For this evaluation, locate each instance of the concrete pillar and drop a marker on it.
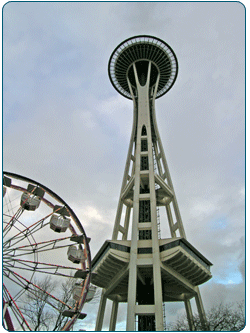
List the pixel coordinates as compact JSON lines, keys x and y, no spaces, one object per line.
{"x":200,"y":309}
{"x":113,"y":317}
{"x":189,"y":314}
{"x":101,"y":311}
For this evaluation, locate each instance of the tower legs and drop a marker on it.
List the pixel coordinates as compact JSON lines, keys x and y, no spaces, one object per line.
{"x":154,"y":318}
{"x":113,"y":317}
{"x":201,"y":310}
{"x":101,"y":311}
{"x":189,"y":314}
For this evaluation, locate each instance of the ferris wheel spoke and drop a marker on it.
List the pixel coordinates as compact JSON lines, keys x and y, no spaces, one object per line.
{"x":18,"y":238}
{"x":21,"y":235}
{"x":36,"y":247}
{"x":7,"y":216}
{"x":7,"y":204}
{"x":15,"y":309}
{"x":42,"y":267}
{"x":12,"y":221}
{"x":11,"y":277}
{"x":36,"y":290}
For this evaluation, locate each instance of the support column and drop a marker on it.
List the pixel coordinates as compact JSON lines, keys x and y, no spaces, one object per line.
{"x":101,"y":311}
{"x":126,"y":223}
{"x":158,"y":301}
{"x":124,"y":182}
{"x":200,"y":309}
{"x":170,"y":221}
{"x":189,"y":312}
{"x":113,"y":317}
{"x":156,"y":256}
{"x":167,"y":174}
{"x":132,"y":282}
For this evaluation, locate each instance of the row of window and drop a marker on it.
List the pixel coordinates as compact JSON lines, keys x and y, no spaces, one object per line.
{"x":144,"y":147}
{"x":147,"y":234}
{"x":144,"y":205}
{"x":144,"y":163}
{"x":144,"y":211}
{"x":127,"y":249}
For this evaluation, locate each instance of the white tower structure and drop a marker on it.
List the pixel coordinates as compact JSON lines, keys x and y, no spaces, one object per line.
{"x":142,"y":269}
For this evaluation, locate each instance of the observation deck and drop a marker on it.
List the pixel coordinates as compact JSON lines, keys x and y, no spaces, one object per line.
{"x":140,"y":50}
{"x":182,"y":267}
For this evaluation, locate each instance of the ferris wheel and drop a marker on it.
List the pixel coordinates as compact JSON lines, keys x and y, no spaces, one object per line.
{"x":44,"y":247}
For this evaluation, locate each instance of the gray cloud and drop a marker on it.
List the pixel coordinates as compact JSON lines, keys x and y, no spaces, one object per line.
{"x":66,"y":127}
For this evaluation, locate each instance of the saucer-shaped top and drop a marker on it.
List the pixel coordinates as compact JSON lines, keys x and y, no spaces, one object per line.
{"x":140,"y":49}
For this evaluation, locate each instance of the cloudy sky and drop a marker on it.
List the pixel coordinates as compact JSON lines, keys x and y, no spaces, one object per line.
{"x":66,"y":127}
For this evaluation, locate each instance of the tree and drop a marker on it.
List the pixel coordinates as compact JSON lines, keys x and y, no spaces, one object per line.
{"x":34,"y":306}
{"x":222,"y":317}
{"x":66,"y":296}
{"x":44,"y":313}
{"x":41,"y":311}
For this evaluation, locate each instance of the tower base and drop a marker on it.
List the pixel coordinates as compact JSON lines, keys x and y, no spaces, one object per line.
{"x":183,"y":268}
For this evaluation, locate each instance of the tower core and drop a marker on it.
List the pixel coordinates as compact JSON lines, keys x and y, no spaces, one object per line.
{"x":139,"y":267}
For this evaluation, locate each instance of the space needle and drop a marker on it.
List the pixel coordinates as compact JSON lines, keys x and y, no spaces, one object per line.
{"x":137,"y":266}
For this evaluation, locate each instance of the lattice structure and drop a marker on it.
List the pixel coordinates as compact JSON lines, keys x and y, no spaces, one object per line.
{"x":142,"y":269}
